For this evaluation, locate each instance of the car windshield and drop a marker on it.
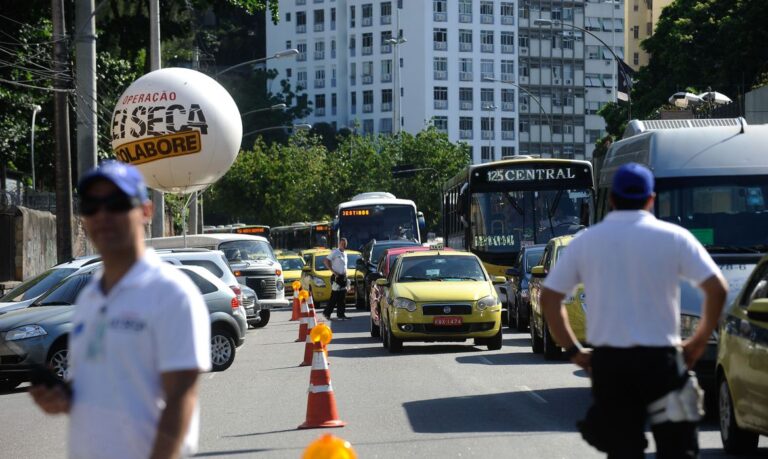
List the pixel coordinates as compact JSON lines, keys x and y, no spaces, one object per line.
{"x":291,"y":264}
{"x":378,"y":250}
{"x":246,"y":250}
{"x":533,"y":258}
{"x":38,"y":285}
{"x":66,"y":292}
{"x":351,"y":260}
{"x":441,"y":268}
{"x":725,"y":214}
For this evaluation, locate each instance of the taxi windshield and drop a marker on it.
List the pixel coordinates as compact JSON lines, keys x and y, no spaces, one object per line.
{"x":236,"y":251}
{"x":351,"y":260}
{"x":440,"y":268}
{"x":291,"y":264}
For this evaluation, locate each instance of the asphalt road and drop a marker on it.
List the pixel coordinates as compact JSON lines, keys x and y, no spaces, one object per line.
{"x":433,"y":400}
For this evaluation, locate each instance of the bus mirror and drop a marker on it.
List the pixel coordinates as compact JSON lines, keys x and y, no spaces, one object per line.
{"x":335,"y":224}
{"x":538,"y":271}
{"x":422,"y":222}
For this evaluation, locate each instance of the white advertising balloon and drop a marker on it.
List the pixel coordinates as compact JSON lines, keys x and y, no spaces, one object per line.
{"x":180,"y":127}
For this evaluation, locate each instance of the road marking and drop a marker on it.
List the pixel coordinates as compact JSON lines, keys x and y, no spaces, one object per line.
{"x":485,"y":360}
{"x":531,"y":393}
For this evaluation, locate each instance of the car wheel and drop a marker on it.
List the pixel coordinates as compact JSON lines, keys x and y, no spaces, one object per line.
{"x":494,"y":343}
{"x":7,"y":385}
{"x":735,"y":439}
{"x":384,"y":334}
{"x":375,"y":329}
{"x":264,"y":314}
{"x":536,"y":343}
{"x":359,"y":302}
{"x":58,"y":361}
{"x":395,"y":343}
{"x":551,"y":350}
{"x":222,"y":349}
{"x":510,"y":315}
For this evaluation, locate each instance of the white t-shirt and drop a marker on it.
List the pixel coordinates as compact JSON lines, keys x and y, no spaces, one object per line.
{"x":631,"y":265}
{"x":153,"y":321}
{"x":338,"y":261}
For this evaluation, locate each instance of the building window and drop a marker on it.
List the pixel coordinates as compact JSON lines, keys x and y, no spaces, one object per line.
{"x":507,"y":152}
{"x":557,"y":14}
{"x":319,"y":105}
{"x":465,"y":99}
{"x":333,"y":49}
{"x":441,"y":97}
{"x":507,"y":70}
{"x":593,"y":52}
{"x":301,"y":22}
{"x":440,"y":123}
{"x":486,"y":98}
{"x":367,"y":76}
{"x":367,"y":126}
{"x":507,"y":100}
{"x":486,"y":12}
{"x":507,"y":13}
{"x":648,"y":29}
{"x":353,"y":102}
{"x":352,"y":16}
{"x":524,"y":126}
{"x":333,"y":18}
{"x":385,"y":125}
{"x":486,"y":153}
{"x":507,"y":40}
{"x":386,"y":100}
{"x":367,"y":45}
{"x":592,"y":24}
{"x":486,"y":127}
{"x":486,"y":69}
{"x":333,"y":104}
{"x":523,"y":41}
{"x":636,"y":32}
{"x":386,"y":70}
{"x":465,"y":40}
{"x":320,"y":78}
{"x":440,"y":38}
{"x":386,"y":13}
{"x":352,"y":45}
{"x":287,"y":17}
{"x":440,"y":65}
{"x":367,"y":14}
{"x":465,"y":127}
{"x":302,"y":48}
{"x":319,"y":20}
{"x":301,"y":79}
{"x":319,"y":50}
{"x":486,"y":41}
{"x":592,"y":80}
{"x":367,"y":101}
{"x":465,"y":69}
{"x":567,"y":14}
{"x":385,"y":37}
{"x":440,"y":10}
{"x":636,"y":58}
{"x":288,"y":72}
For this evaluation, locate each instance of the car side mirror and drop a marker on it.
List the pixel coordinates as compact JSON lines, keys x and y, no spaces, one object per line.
{"x":513,"y":272}
{"x":382,"y":282}
{"x":306,"y":269}
{"x":538,"y":271}
{"x":499,"y":279}
{"x":758,"y":310}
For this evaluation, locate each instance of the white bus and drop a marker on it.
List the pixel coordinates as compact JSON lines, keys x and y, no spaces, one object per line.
{"x":377,"y":215}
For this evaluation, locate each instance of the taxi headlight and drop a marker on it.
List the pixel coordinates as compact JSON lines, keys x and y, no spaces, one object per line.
{"x":405,"y":303}
{"x":24,"y":332}
{"x":487,"y":302}
{"x":688,"y":325}
{"x":318,"y":282}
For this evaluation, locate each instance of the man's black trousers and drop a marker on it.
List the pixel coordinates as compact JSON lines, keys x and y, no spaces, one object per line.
{"x":337,"y":300}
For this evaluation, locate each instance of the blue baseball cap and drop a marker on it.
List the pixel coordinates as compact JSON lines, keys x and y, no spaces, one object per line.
{"x":633,"y":181}
{"x":124,"y":176}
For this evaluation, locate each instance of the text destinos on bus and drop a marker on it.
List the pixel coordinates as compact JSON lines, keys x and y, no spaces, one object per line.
{"x":519,"y":175}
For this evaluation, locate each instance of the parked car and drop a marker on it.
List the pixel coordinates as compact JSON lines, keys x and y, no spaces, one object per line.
{"x":366,"y":267}
{"x":38,"y":334}
{"x":317,"y":279}
{"x":541,"y":338}
{"x":292,"y":265}
{"x":31,"y":289}
{"x":440,"y":296}
{"x":518,"y":294}
{"x":742,"y":366}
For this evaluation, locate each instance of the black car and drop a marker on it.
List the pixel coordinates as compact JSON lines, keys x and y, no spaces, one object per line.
{"x":367,"y":263}
{"x":518,"y":299}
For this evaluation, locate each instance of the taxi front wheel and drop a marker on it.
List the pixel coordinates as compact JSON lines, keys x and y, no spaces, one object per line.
{"x":395,"y":344}
{"x":735,"y":439}
{"x":494,"y":343}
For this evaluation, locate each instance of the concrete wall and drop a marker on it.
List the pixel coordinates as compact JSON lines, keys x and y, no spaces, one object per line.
{"x":35,"y":239}
{"x":756,"y":106}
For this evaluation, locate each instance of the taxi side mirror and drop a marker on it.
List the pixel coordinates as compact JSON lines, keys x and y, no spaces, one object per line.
{"x":758,"y":310}
{"x":306,"y":269}
{"x":498,"y":279}
{"x":382,"y":282}
{"x":538,"y":271}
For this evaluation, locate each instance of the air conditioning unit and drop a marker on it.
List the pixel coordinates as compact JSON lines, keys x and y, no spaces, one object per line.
{"x":556,"y":81}
{"x":568,"y":81}
{"x":524,"y":51}
{"x":524,"y":107}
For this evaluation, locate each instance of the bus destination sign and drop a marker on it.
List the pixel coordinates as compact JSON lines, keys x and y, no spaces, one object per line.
{"x":356,"y":212}
{"x":250,"y":230}
{"x":322,"y":228}
{"x":530,"y":174}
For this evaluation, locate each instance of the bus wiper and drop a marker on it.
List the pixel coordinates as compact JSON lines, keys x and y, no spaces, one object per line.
{"x":514,"y":204}
{"x":55,"y":303}
{"x":555,"y":202}
{"x":463,"y":278}
{"x":735,"y":248}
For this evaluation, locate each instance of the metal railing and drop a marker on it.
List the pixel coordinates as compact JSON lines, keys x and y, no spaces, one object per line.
{"x":440,"y":17}
{"x":465,"y":18}
{"x":441,"y":45}
{"x":486,"y":19}
{"x":386,"y":77}
{"x":465,"y":46}
{"x":441,"y":104}
{"x":441,"y":75}
{"x":508,"y":49}
{"x":465,"y":134}
{"x":466,"y":105}
{"x":465,"y":76}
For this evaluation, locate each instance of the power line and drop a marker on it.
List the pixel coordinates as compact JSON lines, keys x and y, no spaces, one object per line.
{"x":16,"y":83}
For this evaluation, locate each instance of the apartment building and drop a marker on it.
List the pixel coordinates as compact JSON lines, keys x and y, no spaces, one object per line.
{"x":641,"y":17}
{"x":380,"y":66}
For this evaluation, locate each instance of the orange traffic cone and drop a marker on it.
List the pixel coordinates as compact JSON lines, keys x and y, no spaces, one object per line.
{"x":311,"y":305}
{"x":296,"y":314}
{"x":321,"y":403}
{"x":303,"y":317}
{"x":308,"y":348}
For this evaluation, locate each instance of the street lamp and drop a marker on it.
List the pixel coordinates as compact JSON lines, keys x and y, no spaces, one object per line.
{"x":538,"y":102}
{"x":396,"y":42}
{"x":35,"y":110}
{"x":277,"y":55}
{"x":619,"y":62}
{"x":295,"y":127}
{"x":266,"y":109}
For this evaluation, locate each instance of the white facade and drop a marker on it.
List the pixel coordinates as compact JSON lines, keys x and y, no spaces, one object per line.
{"x":350,"y":72}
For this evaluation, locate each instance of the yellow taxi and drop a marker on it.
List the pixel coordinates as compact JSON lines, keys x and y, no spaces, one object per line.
{"x":292,"y":265}
{"x":306,"y":254}
{"x":541,"y":338}
{"x":439,"y":296}
{"x":316,"y":278}
{"x":742,"y":366}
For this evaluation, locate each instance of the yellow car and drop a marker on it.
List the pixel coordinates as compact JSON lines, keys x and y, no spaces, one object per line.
{"x":742,"y":366}
{"x":541,"y":338}
{"x":439,"y":296}
{"x":292,"y":265}
{"x":317,"y":279}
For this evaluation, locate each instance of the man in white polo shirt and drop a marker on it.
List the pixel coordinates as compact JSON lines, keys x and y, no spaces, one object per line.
{"x":140,"y":336}
{"x":631,"y":265}
{"x":337,"y":263}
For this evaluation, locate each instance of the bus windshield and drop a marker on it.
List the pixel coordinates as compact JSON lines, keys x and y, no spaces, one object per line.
{"x":726,"y":214}
{"x":506,"y":221}
{"x":236,"y":251}
{"x":381,"y":222}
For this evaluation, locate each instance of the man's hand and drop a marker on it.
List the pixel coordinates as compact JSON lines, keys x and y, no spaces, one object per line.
{"x":583,"y":358}
{"x":52,"y":400}
{"x":693,"y":349}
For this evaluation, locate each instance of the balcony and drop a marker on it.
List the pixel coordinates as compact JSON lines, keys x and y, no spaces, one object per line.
{"x":386,"y":20}
{"x":386,"y":106}
{"x":466,"y":105}
{"x":508,"y":20}
{"x":319,"y":55}
{"x":465,"y":18}
{"x":486,"y":19}
{"x":333,"y":82}
{"x":319,"y":83}
{"x":465,"y":134}
{"x":333,"y":25}
{"x":508,"y":49}
{"x":441,"y":75}
{"x":301,"y":28}
{"x":508,"y":106}
{"x":352,"y":52}
{"x":386,"y":48}
{"x":367,"y":108}
{"x":386,"y":77}
{"x":319,"y":27}
{"x":320,"y":111}
{"x":333,"y":111}
{"x":367,"y":21}
{"x":318,"y":1}
{"x":486,"y":47}
{"x":301,"y":2}
{"x":486,"y":76}
{"x":367,"y":79}
{"x":367,"y":50}
{"x":465,"y":76}
{"x":301,"y":57}
{"x":465,"y":46}
{"x":440,"y":17}
{"x":333,"y":53}
{"x":352,"y":80}
{"x":441,"y":45}
{"x":353,"y":109}
{"x":508,"y":76}
{"x":441,"y":104}
{"x":487,"y":135}
{"x":301,"y":83}
{"x":507,"y":135}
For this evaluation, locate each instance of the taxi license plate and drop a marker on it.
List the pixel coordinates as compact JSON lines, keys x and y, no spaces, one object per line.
{"x":448,"y":321}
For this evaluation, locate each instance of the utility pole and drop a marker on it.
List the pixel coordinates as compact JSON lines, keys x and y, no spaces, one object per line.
{"x":193,"y":210}
{"x":61,"y":123}
{"x":85,"y":54}
{"x":158,"y":218}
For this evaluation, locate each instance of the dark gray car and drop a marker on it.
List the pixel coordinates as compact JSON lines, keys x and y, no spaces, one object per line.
{"x":518,"y":297}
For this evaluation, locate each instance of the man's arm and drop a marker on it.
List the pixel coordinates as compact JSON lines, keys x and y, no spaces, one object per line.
{"x":715,"y":291}
{"x":327,"y":263}
{"x":557,"y":318}
{"x":52,"y":400}
{"x":180,"y":389}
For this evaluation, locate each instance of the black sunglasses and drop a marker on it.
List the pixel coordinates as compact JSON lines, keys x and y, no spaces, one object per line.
{"x":114,"y":203}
